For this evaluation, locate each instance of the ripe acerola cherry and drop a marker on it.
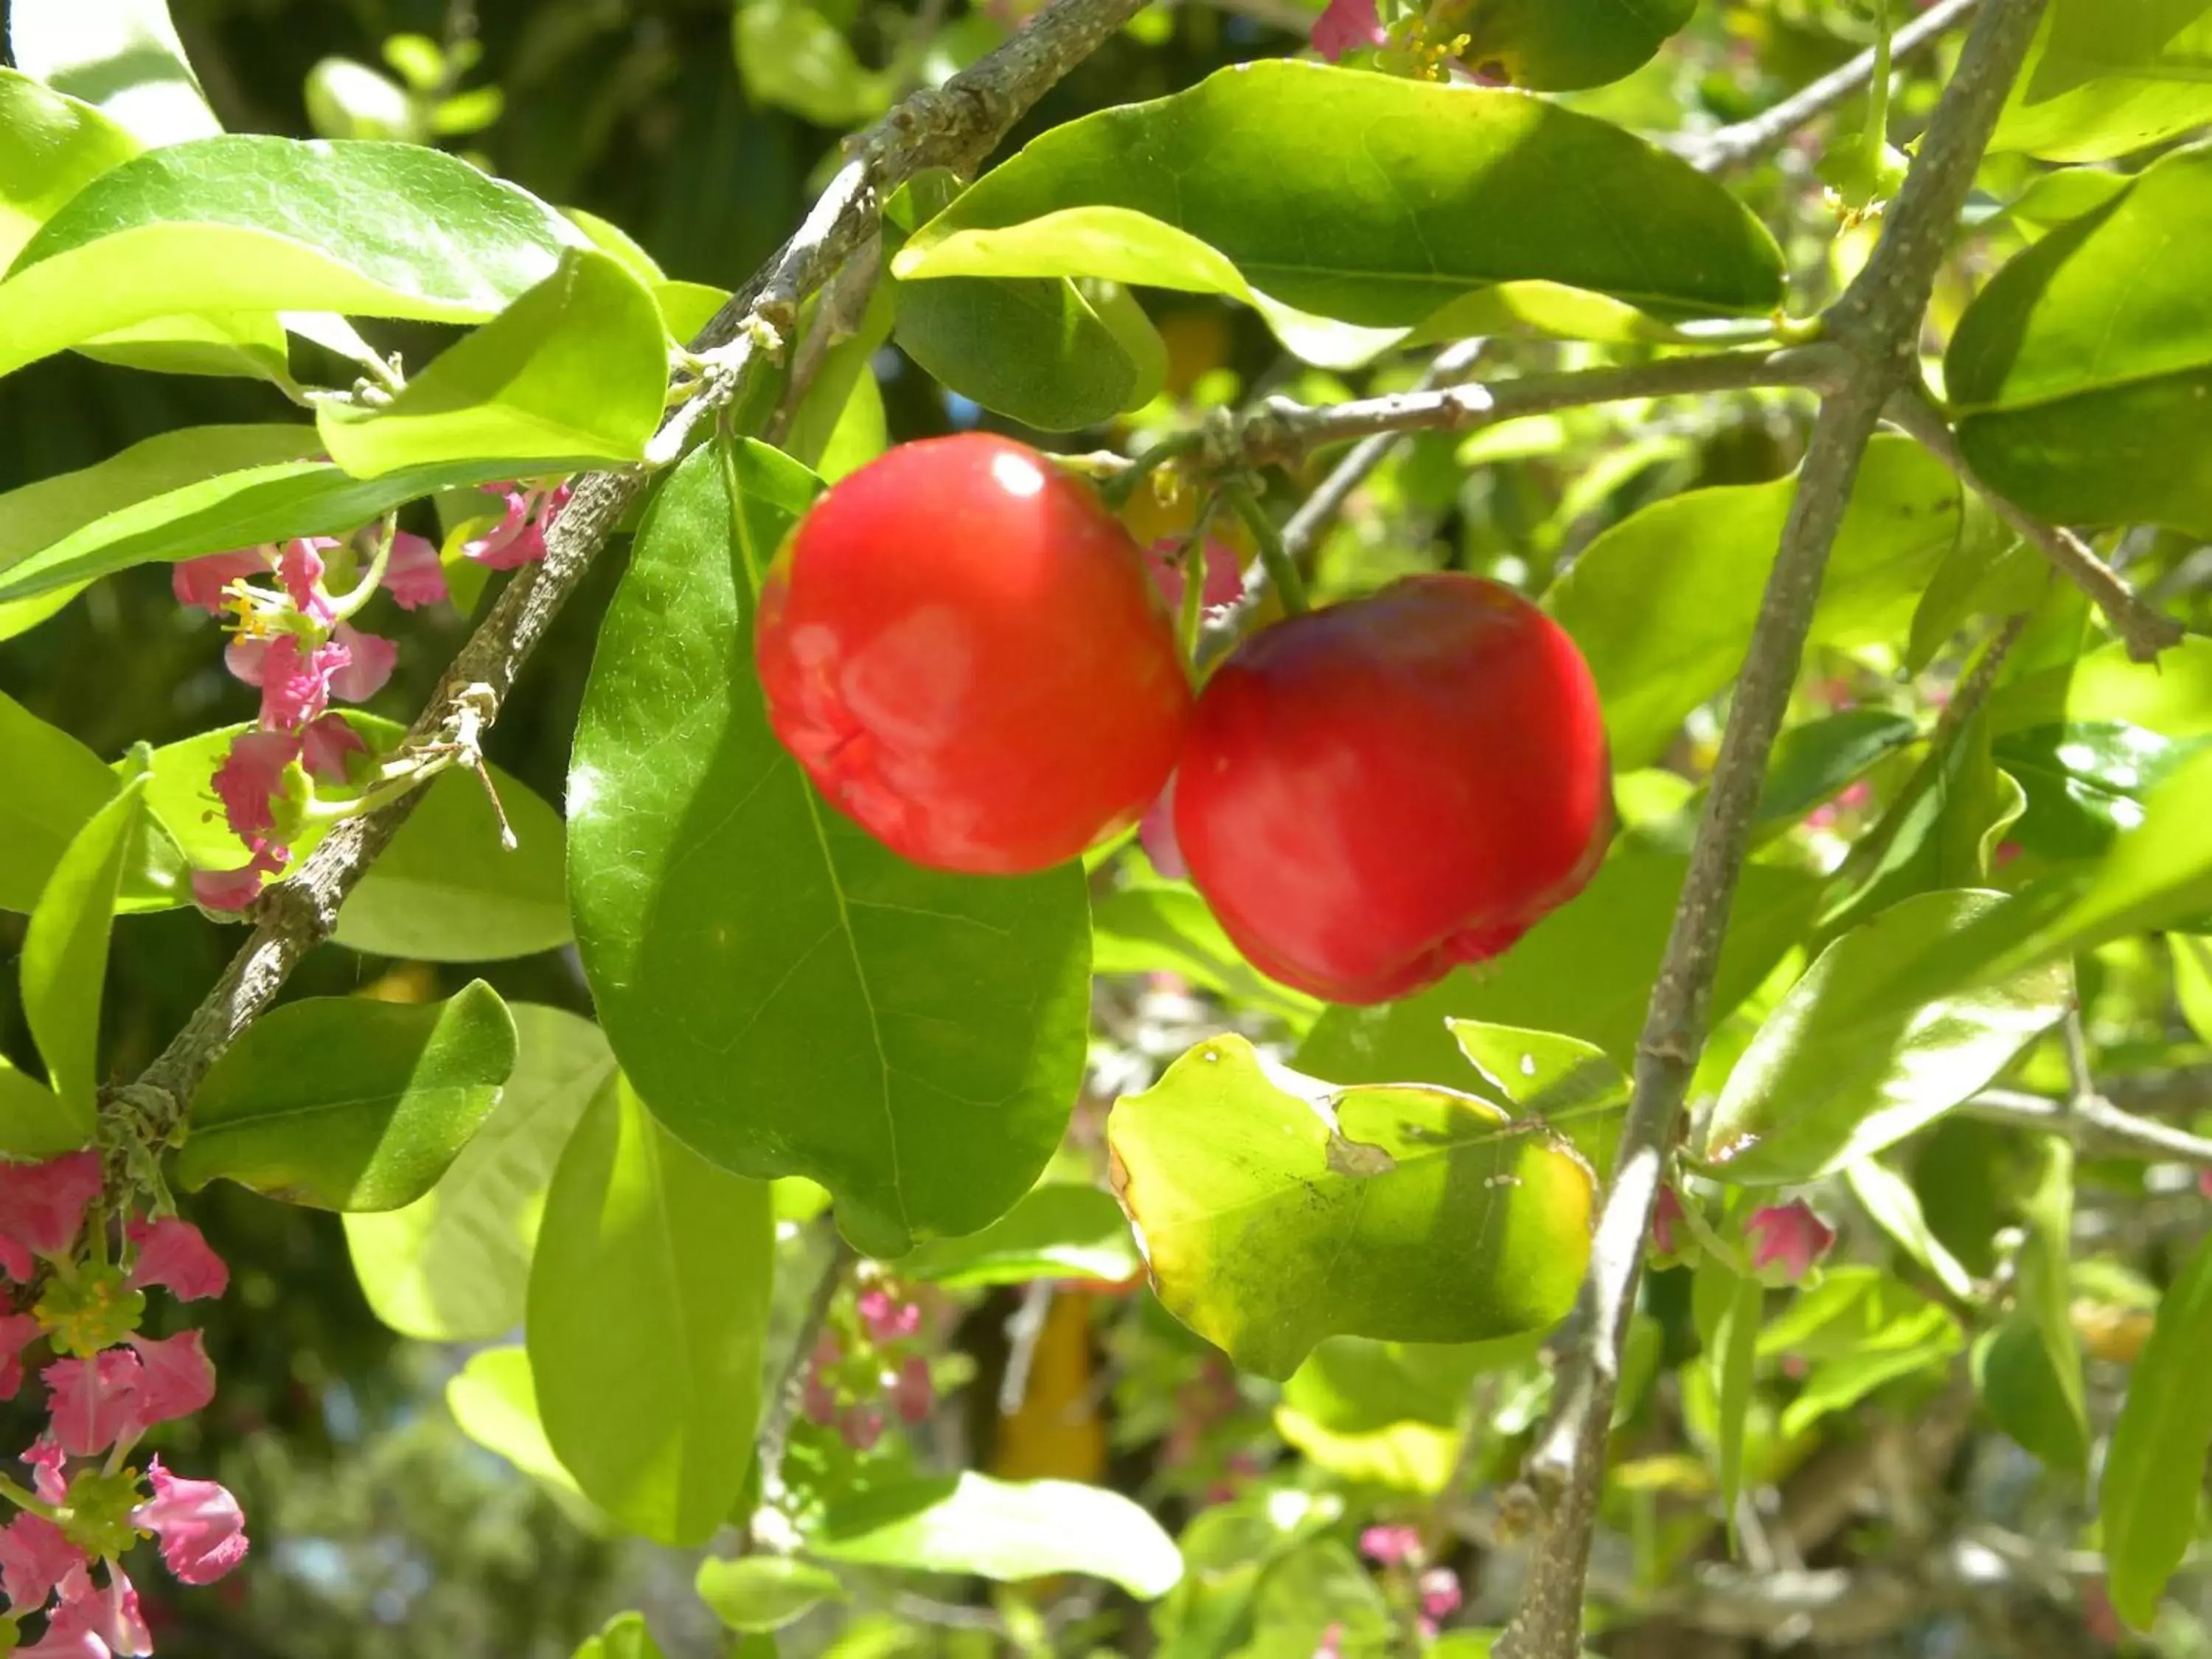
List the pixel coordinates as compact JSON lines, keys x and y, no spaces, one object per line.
{"x":1373,"y":792}
{"x":960,"y":645}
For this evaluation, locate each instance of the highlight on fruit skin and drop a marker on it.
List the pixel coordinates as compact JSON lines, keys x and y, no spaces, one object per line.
{"x":963,"y":648}
{"x":1373,"y":793}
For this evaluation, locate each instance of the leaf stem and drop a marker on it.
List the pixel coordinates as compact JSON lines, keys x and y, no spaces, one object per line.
{"x":1275,"y":557}
{"x":23,"y":1498}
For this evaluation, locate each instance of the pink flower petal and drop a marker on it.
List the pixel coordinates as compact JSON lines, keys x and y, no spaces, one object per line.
{"x":250,"y":779}
{"x":202,"y":1529}
{"x":93,"y":1400}
{"x":367,"y":666}
{"x":34,"y":1558}
{"x":913,"y":1395}
{"x":328,"y":745}
{"x":413,"y":575}
{"x":1786,"y":1240}
{"x":17,"y":1332}
{"x":295,"y":681}
{"x":246,"y":656}
{"x":200,"y":583}
{"x":300,"y":567}
{"x":42,"y":1206}
{"x":174,"y":1253}
{"x":123,"y":1624}
{"x":1345,"y":26}
{"x":176,"y":1379}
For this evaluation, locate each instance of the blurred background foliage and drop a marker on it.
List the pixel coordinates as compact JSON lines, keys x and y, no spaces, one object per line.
{"x":379,"y":1528}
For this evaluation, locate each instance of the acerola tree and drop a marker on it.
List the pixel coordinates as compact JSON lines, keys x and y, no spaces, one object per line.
{"x":1202,"y":986}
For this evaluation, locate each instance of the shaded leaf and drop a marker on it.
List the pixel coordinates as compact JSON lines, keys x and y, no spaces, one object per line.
{"x":1275,"y":1211}
{"x":1556,"y":46}
{"x":1815,"y":761}
{"x":55,"y":786}
{"x":2085,"y":783}
{"x":1148,"y":927}
{"x":342,"y":1103}
{"x":650,"y":1287}
{"x":2102,"y":80}
{"x":2014,"y":1377}
{"x":791,"y":998}
{"x":2154,"y":1469}
{"x":35,"y":1123}
{"x":1058,"y":1231}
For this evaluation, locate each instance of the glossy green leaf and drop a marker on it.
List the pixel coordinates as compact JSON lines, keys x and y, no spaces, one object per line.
{"x":1988,"y":572}
{"x":1153,"y":927}
{"x":1353,"y":1384}
{"x":122,"y":56}
{"x":1276,"y":1210}
{"x":1853,"y":1061}
{"x":2046,"y":1275}
{"x":1555,"y":45}
{"x":2171,"y":697}
{"x":790,"y":997}
{"x":2102,"y":80}
{"x":2157,"y":875}
{"x":1889,"y":1200}
{"x":764,"y":1592}
{"x":1663,"y":604}
{"x":494,"y":1401}
{"x":572,"y":374}
{"x":1841,"y":1383}
{"x":790,"y":57}
{"x":1569,"y":1084}
{"x":445,"y":889}
{"x":1058,"y":1231}
{"x":1585,"y":970}
{"x":342,"y":1103}
{"x":1816,"y":760}
{"x":35,"y":1123}
{"x":2154,"y":1469}
{"x":627,"y":1636}
{"x":55,"y":785}
{"x":453,"y":1266}
{"x":649,"y":1293}
{"x":2081,"y":371}
{"x":254,"y":223}
{"x":1362,"y":199}
{"x":1007,"y":1530}
{"x":2085,"y":783}
{"x":64,"y":962}
{"x":51,"y":147}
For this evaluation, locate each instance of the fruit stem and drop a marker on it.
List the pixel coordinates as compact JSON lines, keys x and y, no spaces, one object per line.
{"x":1282,"y":568}
{"x":1191,"y":612}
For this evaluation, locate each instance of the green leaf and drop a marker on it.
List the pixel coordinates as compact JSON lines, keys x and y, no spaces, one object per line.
{"x":2192,"y":982}
{"x":251,"y":223}
{"x":1006,"y":1530}
{"x":649,"y":1295}
{"x":1854,"y":1060}
{"x":2171,"y":697}
{"x":791,"y":998}
{"x":1573,"y":1085}
{"x":55,"y":786}
{"x":121,"y":56}
{"x":445,"y":889}
{"x":2159,"y":874}
{"x":2013,"y":1376}
{"x":346,"y":100}
{"x":51,"y":147}
{"x":626,"y":1635}
{"x":1557,"y":46}
{"x":573,"y":374}
{"x":2080,"y":373}
{"x":1059,"y":1231}
{"x":1370,"y":200}
{"x":1889,"y":1200}
{"x":1035,"y":352}
{"x":1728,"y":1305}
{"x":1586,"y":970}
{"x":2155,"y":1470}
{"x":65,"y":966}
{"x":790,"y":57}
{"x":35,"y":1123}
{"x":496,"y":1402}
{"x":764,"y":1592}
{"x":2046,"y":1292}
{"x":1663,"y":604}
{"x":1815,"y":762}
{"x":1149,"y":927}
{"x":1276,"y":1210}
{"x":2104,"y":80}
{"x":1321,"y":1586}
{"x":1353,"y":1385}
{"x":2085,"y":783}
{"x":453,"y":1266}
{"x":342,"y":1103}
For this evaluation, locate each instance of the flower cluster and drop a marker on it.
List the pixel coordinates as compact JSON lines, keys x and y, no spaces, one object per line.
{"x":1432,"y":1591}
{"x":106,"y":1385}
{"x":1786,"y":1241}
{"x":296,"y":641}
{"x":868,"y":1356}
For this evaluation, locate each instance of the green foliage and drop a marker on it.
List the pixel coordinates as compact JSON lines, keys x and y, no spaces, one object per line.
{"x":2153,"y":1472}
{"x":765,"y":1592}
{"x":346,"y":1104}
{"x":1553,"y":47}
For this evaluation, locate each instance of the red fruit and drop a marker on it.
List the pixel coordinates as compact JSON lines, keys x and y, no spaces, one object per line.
{"x":961,"y":646}
{"x":1373,"y":792}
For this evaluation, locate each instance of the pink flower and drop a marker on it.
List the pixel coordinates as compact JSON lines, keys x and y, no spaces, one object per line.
{"x":367,"y":664}
{"x":294,"y":678}
{"x":325,"y":745}
{"x":251,"y":778}
{"x":45,"y":1458}
{"x":1440,"y":1594}
{"x":2005,"y":853}
{"x":17,"y":1332}
{"x":200,"y":582}
{"x":1786,"y":1240}
{"x":862,"y":1427}
{"x":93,"y":1400}
{"x":174,"y":1255}
{"x":1345,"y":28}
{"x":912,"y":1395}
{"x":1157,"y":836}
{"x":202,"y":1529}
{"x":300,"y":568}
{"x":819,"y":1401}
{"x":1332,"y":1643}
{"x":1667,"y":1245}
{"x":412,"y":574}
{"x":1386,"y":1547}
{"x":234,"y":889}
{"x":887,"y":1318}
{"x":176,"y":1379}
{"x":16,"y":1263}
{"x":519,"y":538}
{"x":71,"y":1631}
{"x":122,"y":1625}
{"x":34,"y":1556}
{"x":2205,"y":1183}
{"x":42,"y":1206}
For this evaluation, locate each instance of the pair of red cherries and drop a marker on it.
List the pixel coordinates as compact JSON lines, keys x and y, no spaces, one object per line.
{"x":963,"y":648}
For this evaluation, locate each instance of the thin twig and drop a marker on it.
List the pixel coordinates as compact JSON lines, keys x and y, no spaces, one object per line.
{"x":1877,"y":323}
{"x":2144,"y":631}
{"x":954,"y":125}
{"x":780,"y":1413}
{"x":2091,"y":1121}
{"x":1748,"y":140}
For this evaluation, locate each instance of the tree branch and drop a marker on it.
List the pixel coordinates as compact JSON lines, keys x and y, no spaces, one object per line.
{"x":781,"y":1411}
{"x":1877,"y":323}
{"x":2143,"y":629}
{"x":2091,"y":1121}
{"x":954,"y":125}
{"x":1748,"y":140}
